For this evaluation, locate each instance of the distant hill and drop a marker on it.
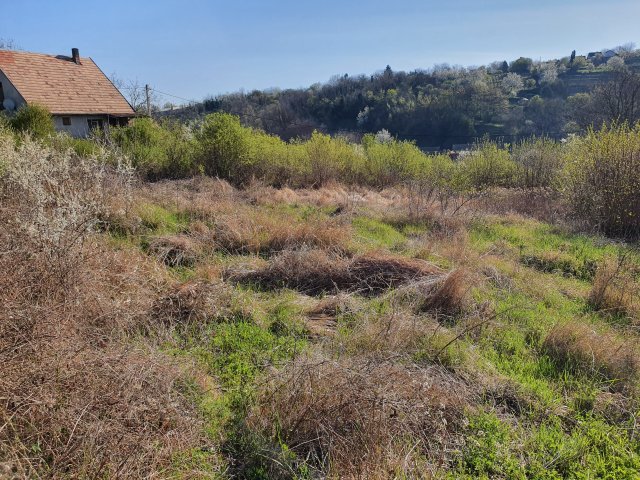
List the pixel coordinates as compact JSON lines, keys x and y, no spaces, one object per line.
{"x":438,"y":107}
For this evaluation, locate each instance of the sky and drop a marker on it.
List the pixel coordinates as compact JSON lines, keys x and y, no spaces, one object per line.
{"x":197,"y":48}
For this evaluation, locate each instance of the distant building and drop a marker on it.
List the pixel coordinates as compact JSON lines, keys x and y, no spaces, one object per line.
{"x":607,"y":54}
{"x":76,"y":92}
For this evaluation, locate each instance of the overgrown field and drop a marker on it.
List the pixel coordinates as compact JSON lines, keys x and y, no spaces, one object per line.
{"x":192,"y":329}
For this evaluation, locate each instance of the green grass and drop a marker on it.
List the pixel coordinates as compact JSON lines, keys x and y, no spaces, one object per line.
{"x":372,"y":233}
{"x":547,"y":428}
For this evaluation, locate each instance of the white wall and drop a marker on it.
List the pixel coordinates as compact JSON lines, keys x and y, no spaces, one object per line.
{"x":10,"y":91}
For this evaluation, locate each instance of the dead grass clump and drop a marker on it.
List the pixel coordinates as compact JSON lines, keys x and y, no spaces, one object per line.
{"x":615,"y":290}
{"x":262,"y":233}
{"x":322,"y":318}
{"x":94,"y":413}
{"x":364,"y":418}
{"x":308,"y":270}
{"x":194,"y":301}
{"x":375,"y":272}
{"x":174,"y":250}
{"x":448,"y":294}
{"x":316,"y":271}
{"x":575,"y":345}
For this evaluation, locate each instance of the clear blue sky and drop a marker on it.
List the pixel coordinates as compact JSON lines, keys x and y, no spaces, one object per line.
{"x":194,"y":48}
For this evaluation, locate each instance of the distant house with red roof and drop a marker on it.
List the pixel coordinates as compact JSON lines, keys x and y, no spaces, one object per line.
{"x":76,"y":92}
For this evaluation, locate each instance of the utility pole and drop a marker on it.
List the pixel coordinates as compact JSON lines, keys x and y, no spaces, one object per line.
{"x":146,"y":91}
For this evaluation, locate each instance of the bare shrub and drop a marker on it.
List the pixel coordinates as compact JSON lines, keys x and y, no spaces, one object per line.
{"x":575,"y":345}
{"x":316,"y":271}
{"x":362,"y":417}
{"x":76,"y":401}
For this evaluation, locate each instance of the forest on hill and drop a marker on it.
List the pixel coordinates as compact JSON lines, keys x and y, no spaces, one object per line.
{"x":449,"y":105}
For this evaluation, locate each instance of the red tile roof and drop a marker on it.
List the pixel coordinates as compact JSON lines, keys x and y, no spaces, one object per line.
{"x":63,"y":86}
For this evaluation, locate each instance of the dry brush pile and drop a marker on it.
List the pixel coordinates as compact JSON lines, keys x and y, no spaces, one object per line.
{"x":77,"y":398}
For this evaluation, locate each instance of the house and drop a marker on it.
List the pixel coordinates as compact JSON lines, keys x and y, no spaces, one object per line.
{"x":76,"y":92}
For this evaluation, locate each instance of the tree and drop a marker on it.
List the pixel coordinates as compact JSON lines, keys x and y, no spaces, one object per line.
{"x":617,"y":100}
{"x":572,"y":58}
{"x":616,"y":63}
{"x":135,"y":93}
{"x":549,"y":73}
{"x":8,"y":44}
{"x":512,"y":83}
{"x":505,"y":67}
{"x":522,"y":66}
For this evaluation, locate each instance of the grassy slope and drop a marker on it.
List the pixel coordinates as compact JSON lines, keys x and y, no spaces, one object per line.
{"x":535,"y":417}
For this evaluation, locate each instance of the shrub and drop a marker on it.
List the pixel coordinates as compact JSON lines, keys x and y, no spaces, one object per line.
{"x":225,"y":147}
{"x":601,"y":179}
{"x":538,"y":161}
{"x":35,"y":120}
{"x":157,"y":151}
{"x":76,"y":400}
{"x":487,"y":166}
{"x":390,"y":162}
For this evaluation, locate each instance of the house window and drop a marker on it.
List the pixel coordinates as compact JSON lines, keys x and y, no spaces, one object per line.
{"x":66,"y":121}
{"x":1,"y":97}
{"x":95,"y":123}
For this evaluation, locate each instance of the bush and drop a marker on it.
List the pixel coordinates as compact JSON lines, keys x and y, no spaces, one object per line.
{"x":35,"y":120}
{"x":225,"y":147}
{"x":157,"y":151}
{"x":489,"y":165}
{"x":538,"y":161}
{"x":601,"y":179}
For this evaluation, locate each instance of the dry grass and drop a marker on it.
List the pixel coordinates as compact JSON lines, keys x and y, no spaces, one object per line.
{"x":449,"y":295}
{"x":76,"y":399}
{"x":576,"y":345}
{"x":316,"y":271}
{"x":175,"y":250}
{"x":364,"y":417}
{"x":190,"y":302}
{"x":250,"y":232}
{"x":615,"y":290}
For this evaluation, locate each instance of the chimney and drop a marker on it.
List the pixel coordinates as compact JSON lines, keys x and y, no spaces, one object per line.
{"x":75,"y":55}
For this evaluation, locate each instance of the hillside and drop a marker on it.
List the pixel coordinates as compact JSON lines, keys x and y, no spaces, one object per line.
{"x":437,"y":108}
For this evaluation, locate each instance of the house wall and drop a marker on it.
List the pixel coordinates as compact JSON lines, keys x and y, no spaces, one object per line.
{"x":10,"y":91}
{"x":79,"y":127}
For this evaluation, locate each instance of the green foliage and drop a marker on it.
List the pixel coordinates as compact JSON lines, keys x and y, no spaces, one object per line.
{"x":35,"y":120}
{"x":224,"y":147}
{"x":522,"y":65}
{"x":489,"y":165}
{"x":601,"y":178}
{"x":538,"y":161}
{"x":157,"y":151}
